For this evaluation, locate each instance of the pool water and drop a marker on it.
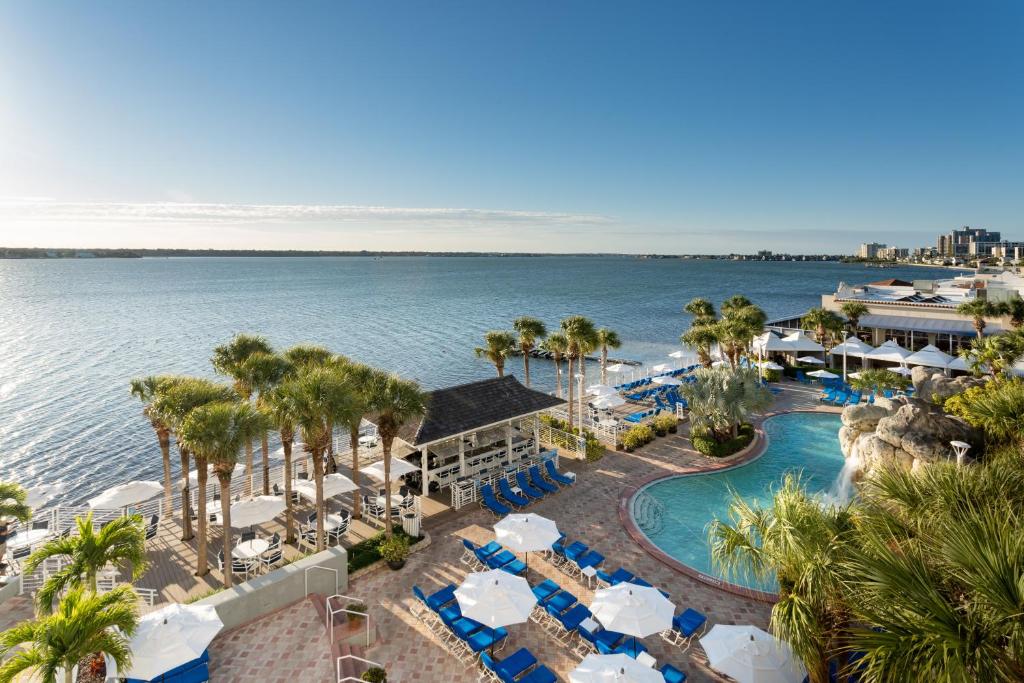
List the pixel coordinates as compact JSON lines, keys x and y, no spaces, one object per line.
{"x":675,"y":513}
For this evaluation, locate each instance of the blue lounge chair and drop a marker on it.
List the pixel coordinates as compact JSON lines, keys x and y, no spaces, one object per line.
{"x":512,"y":666}
{"x":615,"y":578}
{"x":545,"y":590}
{"x":672,"y":674}
{"x":525,"y":487}
{"x":438,"y":599}
{"x":511,"y":496}
{"x":506,"y":561}
{"x":537,"y":480}
{"x":685,"y":626}
{"x":854,"y":399}
{"x":559,"y":602}
{"x":630,"y":647}
{"x":488,"y":499}
{"x":557,"y":476}
{"x":590,"y":559}
{"x":485,"y":638}
{"x":606,"y":641}
{"x":576,"y":549}
{"x":573,"y":617}
{"x":541,"y":674}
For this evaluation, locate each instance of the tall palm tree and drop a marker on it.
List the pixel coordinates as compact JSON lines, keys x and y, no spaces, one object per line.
{"x":606,"y":339}
{"x":531,"y":330}
{"x":824,"y":323}
{"x":265,"y":371}
{"x":83,"y":624}
{"x":556,"y":344}
{"x":395,"y":401}
{"x":317,"y":397}
{"x":120,"y":542}
{"x":498,"y":345}
{"x":721,"y":399}
{"x":146,"y":389}
{"x":12,"y":508}
{"x":581,"y":338}
{"x":215,"y":433}
{"x":172,"y":405}
{"x":702,"y":338}
{"x":735,"y":303}
{"x":978,"y":310}
{"x":1014,"y":308}
{"x":802,"y":544}
{"x":230,"y":360}
{"x":738,"y":326}
{"x":280,"y":412}
{"x":854,"y":310}
{"x":358,"y":378}
{"x":701,"y":309}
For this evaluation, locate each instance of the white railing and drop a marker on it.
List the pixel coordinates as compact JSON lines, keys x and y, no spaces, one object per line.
{"x":332,"y":610}
{"x":367,"y":662}
{"x":608,"y":434}
{"x":562,"y":441}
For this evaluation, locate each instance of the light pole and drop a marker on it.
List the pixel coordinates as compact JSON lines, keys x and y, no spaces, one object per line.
{"x":960,"y":448}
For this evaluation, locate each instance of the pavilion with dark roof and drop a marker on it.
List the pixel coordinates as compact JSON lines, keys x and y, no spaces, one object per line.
{"x":474,"y":430}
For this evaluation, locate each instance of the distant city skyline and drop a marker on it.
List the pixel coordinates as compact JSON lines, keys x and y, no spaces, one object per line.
{"x":577,"y":127}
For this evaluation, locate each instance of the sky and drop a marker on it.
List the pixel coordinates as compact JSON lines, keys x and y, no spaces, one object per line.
{"x":676,"y":127}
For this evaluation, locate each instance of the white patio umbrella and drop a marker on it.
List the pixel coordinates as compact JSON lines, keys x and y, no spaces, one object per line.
{"x":890,"y":351}
{"x":38,"y":496}
{"x":750,"y":655}
{"x":930,"y":356}
{"x":799,"y":342}
{"x":193,"y":475}
{"x":810,"y":360}
{"x":959,"y":363}
{"x":495,"y":598}
{"x":169,"y":637}
{"x":822,"y":374}
{"x":637,"y":611}
{"x":600,"y":390}
{"x":399,"y":467}
{"x":610,"y":401}
{"x":770,"y":365}
{"x":254,"y":511}
{"x":852,"y":347}
{"x":667,"y":380}
{"x":334,"y":485}
{"x":855,"y":375}
{"x":617,"y":367}
{"x":661,"y":367}
{"x":126,"y":494}
{"x":526,"y":533}
{"x":613,"y":669}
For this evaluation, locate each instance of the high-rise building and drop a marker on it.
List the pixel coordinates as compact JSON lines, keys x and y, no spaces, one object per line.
{"x":968,"y":241}
{"x":870,"y":250}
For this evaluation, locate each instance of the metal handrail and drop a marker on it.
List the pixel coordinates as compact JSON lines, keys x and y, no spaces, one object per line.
{"x":337,"y":665}
{"x":344,"y":610}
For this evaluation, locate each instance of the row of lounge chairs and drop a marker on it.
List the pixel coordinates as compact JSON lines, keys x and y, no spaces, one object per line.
{"x":463,"y":637}
{"x":642,"y":415}
{"x":531,"y":488}
{"x":491,"y":556}
{"x":629,"y":386}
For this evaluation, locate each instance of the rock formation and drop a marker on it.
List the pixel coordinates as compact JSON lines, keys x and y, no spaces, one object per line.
{"x":935,"y":387}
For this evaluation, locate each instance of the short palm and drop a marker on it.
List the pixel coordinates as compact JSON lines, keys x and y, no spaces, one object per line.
{"x":498,"y":346}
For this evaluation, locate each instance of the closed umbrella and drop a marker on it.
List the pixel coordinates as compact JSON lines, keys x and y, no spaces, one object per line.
{"x":170,"y":637}
{"x":811,"y":360}
{"x":667,"y":380}
{"x":334,"y":485}
{"x":637,"y":611}
{"x":613,"y":669}
{"x":750,"y":655}
{"x":399,"y":467}
{"x":126,"y":494}
{"x":526,"y":533}
{"x":600,"y":390}
{"x":255,"y":511}
{"x":610,"y":401}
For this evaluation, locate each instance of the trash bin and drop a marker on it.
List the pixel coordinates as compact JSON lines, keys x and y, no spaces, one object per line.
{"x":411,"y":524}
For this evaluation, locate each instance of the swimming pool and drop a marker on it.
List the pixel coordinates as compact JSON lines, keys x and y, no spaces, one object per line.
{"x":674,"y":513}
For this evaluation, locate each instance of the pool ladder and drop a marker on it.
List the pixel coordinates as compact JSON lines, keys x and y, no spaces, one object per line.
{"x":649,"y":513}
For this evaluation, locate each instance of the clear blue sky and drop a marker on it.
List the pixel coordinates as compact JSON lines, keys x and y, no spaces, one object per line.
{"x":540,"y":126}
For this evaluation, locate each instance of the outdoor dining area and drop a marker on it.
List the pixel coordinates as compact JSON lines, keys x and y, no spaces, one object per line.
{"x":501,"y":601}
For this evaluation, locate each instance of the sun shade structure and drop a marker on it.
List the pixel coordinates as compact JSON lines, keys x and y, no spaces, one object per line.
{"x":768,"y":342}
{"x":334,"y":485}
{"x":667,"y":381}
{"x":495,"y":598}
{"x":527,"y":532}
{"x":750,"y":655}
{"x":255,"y":511}
{"x":822,"y":374}
{"x":633,"y":610}
{"x":930,"y":356}
{"x":680,"y":354}
{"x":890,"y":352}
{"x":193,"y":475}
{"x":170,"y":637}
{"x":852,"y":347}
{"x":770,"y":365}
{"x":661,"y":367}
{"x":613,"y":669}
{"x":38,"y":496}
{"x":811,"y":360}
{"x":600,"y":390}
{"x":126,"y":494}
{"x":603,"y":402}
{"x":799,"y":342}
{"x":399,"y":468}
{"x":617,"y":367}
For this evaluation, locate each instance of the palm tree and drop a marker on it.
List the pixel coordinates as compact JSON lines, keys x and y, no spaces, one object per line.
{"x":498,"y":345}
{"x":531,"y":330}
{"x":83,"y":624}
{"x":358,"y":378}
{"x":12,"y":508}
{"x":556,"y":344}
{"x":120,"y":542}
{"x":978,"y":310}
{"x":280,"y":412}
{"x":879,"y":379}
{"x":1014,"y":308}
{"x":581,"y":338}
{"x":215,"y":433}
{"x":721,"y":399}
{"x":606,"y":339}
{"x":996,"y":353}
{"x":230,"y":360}
{"x":172,"y":405}
{"x":702,"y":338}
{"x":395,"y":401}
{"x":146,"y":389}
{"x":316,"y":398}
{"x":854,"y":310}
{"x":740,"y":323}
{"x":824,"y":323}
{"x":802,"y":544}
{"x":701,"y":309}
{"x":308,"y":355}
{"x":265,"y":371}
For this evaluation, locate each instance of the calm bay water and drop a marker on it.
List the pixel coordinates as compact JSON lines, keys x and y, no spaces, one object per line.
{"x":74,"y":332}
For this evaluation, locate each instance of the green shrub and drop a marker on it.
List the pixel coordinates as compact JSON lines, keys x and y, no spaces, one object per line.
{"x":395,"y":549}
{"x":594,"y":448}
{"x":665,"y":422}
{"x":637,"y":436}
{"x":772,"y":375}
{"x":375,"y":675}
{"x":706,"y":444}
{"x":365,"y":553}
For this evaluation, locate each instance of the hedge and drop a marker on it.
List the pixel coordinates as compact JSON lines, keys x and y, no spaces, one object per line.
{"x":365,"y":553}
{"x":708,"y":446}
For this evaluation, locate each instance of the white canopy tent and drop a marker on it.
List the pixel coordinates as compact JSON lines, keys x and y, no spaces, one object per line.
{"x":810,"y":360}
{"x":750,"y":655}
{"x":852,"y":347}
{"x":799,"y":342}
{"x":667,"y":381}
{"x":600,"y":390}
{"x":168,"y":638}
{"x":930,"y":356}
{"x":890,"y":352}
{"x":610,"y":401}
{"x":769,"y":342}
{"x":334,"y":485}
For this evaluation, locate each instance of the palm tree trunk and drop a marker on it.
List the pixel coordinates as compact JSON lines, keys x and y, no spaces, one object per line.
{"x":558,"y":376}
{"x":386,"y":441}
{"x":332,"y":466}
{"x":289,"y":523}
{"x":604,"y":364}
{"x":68,"y":672}
{"x":499,"y":365}
{"x":186,"y":499}
{"x":318,"y":475}
{"x":165,"y":452}
{"x":354,"y":442}
{"x":202,"y":566}
{"x":979,"y":327}
{"x":265,"y":445}
{"x":570,"y":391}
{"x":526,"y":364}
{"x":248,"y":467}
{"x":225,"y":517}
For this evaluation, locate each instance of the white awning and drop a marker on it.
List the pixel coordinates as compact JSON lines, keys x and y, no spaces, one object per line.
{"x":799,"y":342}
{"x":909,"y":323}
{"x":930,"y":356}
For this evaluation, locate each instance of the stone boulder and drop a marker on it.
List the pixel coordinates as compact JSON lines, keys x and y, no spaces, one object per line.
{"x":858,"y":420}
{"x":935,"y":387}
{"x":919,"y":431}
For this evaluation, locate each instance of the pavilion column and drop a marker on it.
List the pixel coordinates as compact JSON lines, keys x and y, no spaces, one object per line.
{"x":536,"y":434}
{"x":423,"y":472}
{"x":508,"y":440}
{"x":462,"y":456}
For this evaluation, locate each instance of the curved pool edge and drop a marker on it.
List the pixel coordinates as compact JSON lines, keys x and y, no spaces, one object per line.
{"x":752,"y":452}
